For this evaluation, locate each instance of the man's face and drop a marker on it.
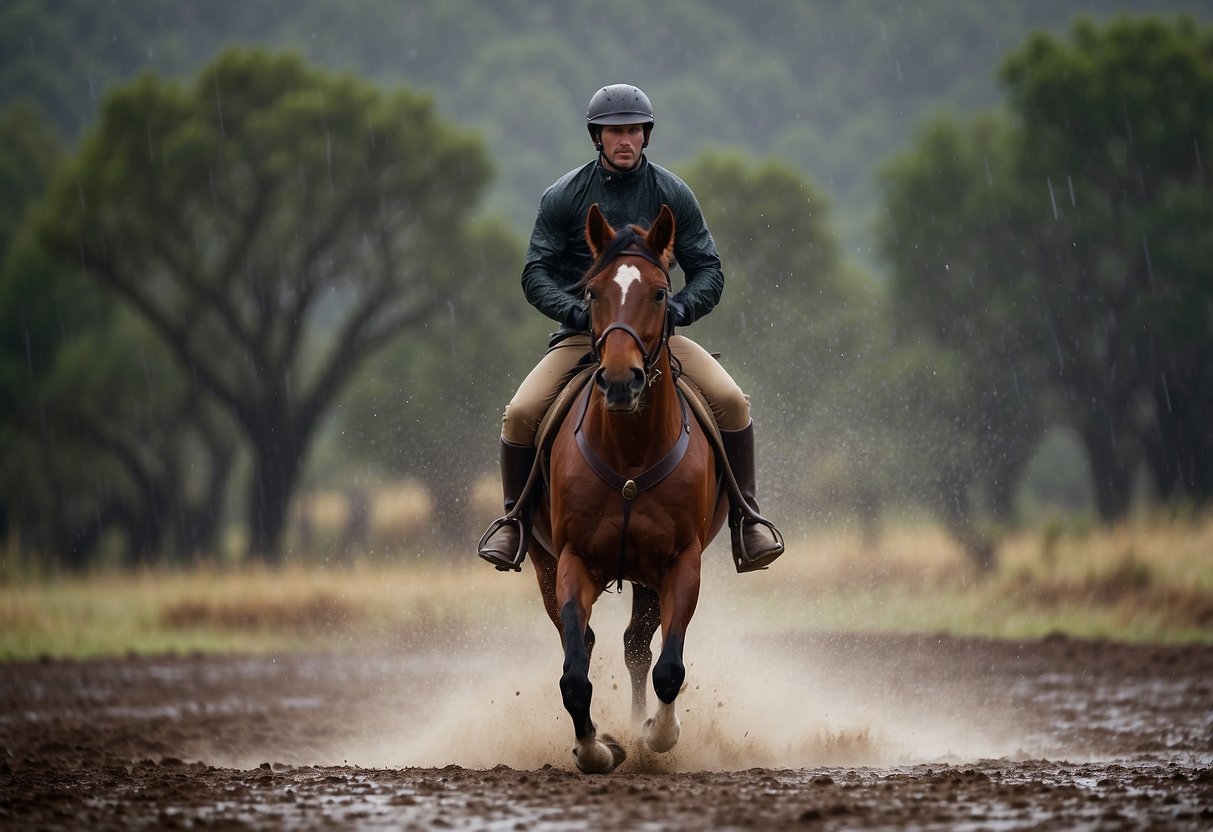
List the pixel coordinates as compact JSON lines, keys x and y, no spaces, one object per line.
{"x":621,"y":145}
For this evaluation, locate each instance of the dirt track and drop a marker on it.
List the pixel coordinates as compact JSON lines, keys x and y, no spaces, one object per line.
{"x":855,"y":732}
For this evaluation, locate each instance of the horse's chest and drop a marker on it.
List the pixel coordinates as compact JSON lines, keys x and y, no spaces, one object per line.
{"x":598,"y":518}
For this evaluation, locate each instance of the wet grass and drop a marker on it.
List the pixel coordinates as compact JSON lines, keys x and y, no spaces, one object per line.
{"x":1151,"y":580}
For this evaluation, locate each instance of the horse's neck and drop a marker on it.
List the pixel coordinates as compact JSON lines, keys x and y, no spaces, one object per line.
{"x":642,"y":438}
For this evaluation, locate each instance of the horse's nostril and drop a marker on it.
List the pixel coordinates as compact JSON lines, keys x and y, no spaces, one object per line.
{"x":600,"y":380}
{"x":637,"y":379}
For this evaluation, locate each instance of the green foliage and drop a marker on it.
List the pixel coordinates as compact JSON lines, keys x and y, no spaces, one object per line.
{"x":781,"y":264}
{"x":429,"y":406}
{"x":852,"y":79}
{"x":1029,"y":249}
{"x":802,"y":334}
{"x":101,"y":433}
{"x":1120,"y":116}
{"x":275,"y":226}
{"x":32,"y":151}
{"x":958,"y":300}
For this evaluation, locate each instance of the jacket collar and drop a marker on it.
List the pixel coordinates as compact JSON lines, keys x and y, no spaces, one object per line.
{"x":610,"y":176}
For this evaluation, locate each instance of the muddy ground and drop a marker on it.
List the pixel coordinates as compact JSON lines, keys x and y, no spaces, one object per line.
{"x":461,"y":731}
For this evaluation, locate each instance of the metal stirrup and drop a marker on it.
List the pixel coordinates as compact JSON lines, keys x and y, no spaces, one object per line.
{"x":515,"y":565}
{"x":737,"y":519}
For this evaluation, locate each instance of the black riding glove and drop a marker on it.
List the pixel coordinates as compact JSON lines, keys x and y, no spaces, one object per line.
{"x":677,"y":313}
{"x":578,"y":318}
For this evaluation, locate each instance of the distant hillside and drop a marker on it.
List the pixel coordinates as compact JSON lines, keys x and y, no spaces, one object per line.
{"x":832,"y":87}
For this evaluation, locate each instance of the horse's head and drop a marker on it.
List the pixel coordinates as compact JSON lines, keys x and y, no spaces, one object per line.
{"x":627,"y":289}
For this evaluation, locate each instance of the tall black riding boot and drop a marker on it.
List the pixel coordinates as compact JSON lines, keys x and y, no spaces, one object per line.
{"x":505,"y":543}
{"x":756,"y":541}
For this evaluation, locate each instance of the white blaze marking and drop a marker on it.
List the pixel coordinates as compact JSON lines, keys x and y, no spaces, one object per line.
{"x":625,"y":277}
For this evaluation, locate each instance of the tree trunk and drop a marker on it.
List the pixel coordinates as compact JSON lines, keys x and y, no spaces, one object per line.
{"x":1113,"y":477}
{"x":1180,"y":455}
{"x":957,"y":508}
{"x":275,"y":472}
{"x":198,"y":524}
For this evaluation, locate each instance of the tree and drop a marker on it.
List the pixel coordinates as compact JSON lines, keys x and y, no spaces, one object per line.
{"x":1032,"y":248}
{"x":275,"y":226}
{"x":1116,"y":124}
{"x":783,"y":279}
{"x":32,"y":153}
{"x":100,"y":433}
{"x":975,"y":377}
{"x":430,"y":405}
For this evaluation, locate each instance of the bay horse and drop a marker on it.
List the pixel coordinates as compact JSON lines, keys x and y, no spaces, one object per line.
{"x":634,"y":490}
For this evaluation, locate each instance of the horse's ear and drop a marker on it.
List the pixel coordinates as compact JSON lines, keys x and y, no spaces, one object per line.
{"x":598,"y":231}
{"x":661,"y":233}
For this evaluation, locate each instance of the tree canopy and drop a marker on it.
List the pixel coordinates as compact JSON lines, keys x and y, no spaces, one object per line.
{"x":237,"y":212}
{"x":832,"y":88}
{"x":1057,"y":253}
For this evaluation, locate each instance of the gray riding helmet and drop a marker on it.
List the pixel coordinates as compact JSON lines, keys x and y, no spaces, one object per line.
{"x":619,"y":104}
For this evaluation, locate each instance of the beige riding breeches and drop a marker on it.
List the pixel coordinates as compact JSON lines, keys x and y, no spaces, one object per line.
{"x":541,"y":387}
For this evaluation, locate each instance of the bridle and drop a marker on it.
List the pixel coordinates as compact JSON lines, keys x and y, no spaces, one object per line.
{"x":627,"y":243}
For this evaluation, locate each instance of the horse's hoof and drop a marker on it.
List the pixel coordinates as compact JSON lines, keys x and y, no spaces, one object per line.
{"x":597,"y":756}
{"x":661,"y":732}
{"x":617,"y":752}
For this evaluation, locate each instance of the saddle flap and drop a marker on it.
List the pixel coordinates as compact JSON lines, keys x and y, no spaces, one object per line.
{"x":560,"y":407}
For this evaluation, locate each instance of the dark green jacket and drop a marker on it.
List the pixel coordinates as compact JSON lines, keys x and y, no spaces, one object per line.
{"x":558,"y":256}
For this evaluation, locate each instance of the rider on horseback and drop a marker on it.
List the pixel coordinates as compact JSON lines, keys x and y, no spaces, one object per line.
{"x":628,"y":188}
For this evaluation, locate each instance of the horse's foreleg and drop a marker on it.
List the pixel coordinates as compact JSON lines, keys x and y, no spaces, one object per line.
{"x":637,"y":638}
{"x":545,"y":574}
{"x":575,"y":594}
{"x":679,"y":597}
{"x":662,"y":729}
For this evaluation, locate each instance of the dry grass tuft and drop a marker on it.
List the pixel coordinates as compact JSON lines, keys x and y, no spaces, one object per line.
{"x":1148,"y":579}
{"x":1155,"y":567}
{"x":319,"y":613}
{"x":1130,"y":588}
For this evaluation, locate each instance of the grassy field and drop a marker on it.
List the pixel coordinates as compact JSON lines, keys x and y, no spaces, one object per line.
{"x":1151,"y":580}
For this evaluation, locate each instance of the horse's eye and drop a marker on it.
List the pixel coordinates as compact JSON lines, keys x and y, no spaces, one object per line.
{"x":660,"y":295}
{"x":589,"y":294}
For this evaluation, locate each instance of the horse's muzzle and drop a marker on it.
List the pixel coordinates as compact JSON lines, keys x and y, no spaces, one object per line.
{"x":621,"y":395}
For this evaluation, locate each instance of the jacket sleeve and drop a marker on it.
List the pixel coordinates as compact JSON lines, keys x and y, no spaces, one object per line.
{"x":695,"y":251}
{"x":545,"y":254}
